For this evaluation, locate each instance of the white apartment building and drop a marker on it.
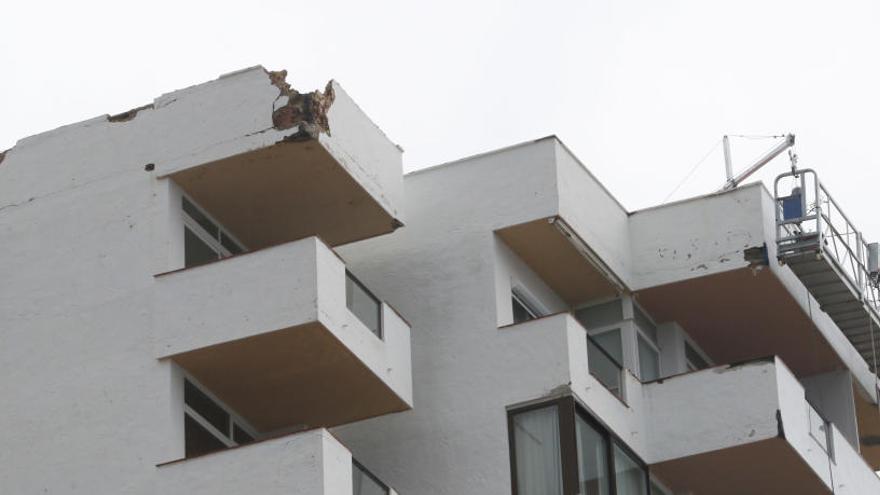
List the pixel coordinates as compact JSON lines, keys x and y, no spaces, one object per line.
{"x":235,"y":290}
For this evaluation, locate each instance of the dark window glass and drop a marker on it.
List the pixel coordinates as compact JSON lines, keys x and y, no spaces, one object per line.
{"x":240,"y":436}
{"x":230,"y":244}
{"x":207,"y":408}
{"x":365,"y":483}
{"x":196,"y":251}
{"x":600,"y":315}
{"x":198,"y":440}
{"x":694,"y":358}
{"x":644,"y":323}
{"x":630,"y":477}
{"x":592,"y":449}
{"x":520,"y":312}
{"x":604,"y":354}
{"x":649,"y":361}
{"x":363,"y":304}
{"x":201,"y":219}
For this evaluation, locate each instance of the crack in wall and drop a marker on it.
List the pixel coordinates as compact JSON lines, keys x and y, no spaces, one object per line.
{"x":300,"y":108}
{"x":128,"y":115}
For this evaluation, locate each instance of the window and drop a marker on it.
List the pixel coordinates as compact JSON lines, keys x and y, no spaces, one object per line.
{"x":636,"y":335}
{"x":601,"y":315}
{"x":522,"y":310}
{"x":629,"y":475}
{"x":204,"y":239}
{"x":649,"y":360}
{"x":646,"y":337}
{"x":538,"y":454}
{"x":208,"y":426}
{"x":364,"y":482}
{"x":557,"y":448}
{"x":604,"y":356}
{"x":694,"y":359}
{"x":592,"y":451}
{"x":363,"y":304}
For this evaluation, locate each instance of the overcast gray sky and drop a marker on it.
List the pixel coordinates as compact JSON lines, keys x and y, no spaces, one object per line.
{"x":639,"y":90}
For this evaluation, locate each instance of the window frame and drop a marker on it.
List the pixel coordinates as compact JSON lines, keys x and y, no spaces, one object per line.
{"x":380,"y":332}
{"x":516,"y":296}
{"x":569,"y":408}
{"x":630,"y":332}
{"x":360,"y":467}
{"x":234,"y":418}
{"x":652,"y":342}
{"x":199,"y":231}
{"x":689,"y":343}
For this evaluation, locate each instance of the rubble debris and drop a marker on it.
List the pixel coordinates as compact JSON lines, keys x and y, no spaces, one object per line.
{"x":300,"y":108}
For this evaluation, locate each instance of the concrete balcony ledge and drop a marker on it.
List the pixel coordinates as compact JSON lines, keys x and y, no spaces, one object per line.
{"x":747,"y":429}
{"x":247,"y":147}
{"x":315,"y":153}
{"x":559,"y":364}
{"x":308,"y":463}
{"x":269,"y":332}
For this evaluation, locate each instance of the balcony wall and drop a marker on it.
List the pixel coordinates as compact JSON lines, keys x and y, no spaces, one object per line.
{"x":336,"y":169}
{"x":270,"y":334}
{"x":308,"y":463}
{"x":709,"y":264}
{"x":747,"y":429}
{"x":559,"y":364}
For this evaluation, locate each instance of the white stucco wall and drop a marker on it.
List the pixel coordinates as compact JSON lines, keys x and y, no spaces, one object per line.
{"x":593,"y":213}
{"x":365,"y":151}
{"x":88,"y":407}
{"x":452,"y":277}
{"x":695,"y":237}
{"x":307,"y":463}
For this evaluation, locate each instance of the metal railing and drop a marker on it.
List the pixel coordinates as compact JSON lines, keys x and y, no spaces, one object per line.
{"x":810,"y":219}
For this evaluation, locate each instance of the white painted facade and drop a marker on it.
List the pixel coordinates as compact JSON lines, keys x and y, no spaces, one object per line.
{"x":103,"y":318}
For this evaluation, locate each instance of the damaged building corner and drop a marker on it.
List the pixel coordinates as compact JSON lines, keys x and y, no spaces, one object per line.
{"x":128,"y":115}
{"x":757,"y":256}
{"x":300,"y":108}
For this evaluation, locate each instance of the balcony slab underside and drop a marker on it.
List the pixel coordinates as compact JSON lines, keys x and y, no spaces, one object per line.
{"x":767,"y":466}
{"x":291,"y":190}
{"x":740,"y":315}
{"x":555,"y":257}
{"x":300,"y":377}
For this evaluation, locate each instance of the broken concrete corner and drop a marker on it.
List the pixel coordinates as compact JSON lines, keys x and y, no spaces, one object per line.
{"x":128,"y":115}
{"x":300,"y":108}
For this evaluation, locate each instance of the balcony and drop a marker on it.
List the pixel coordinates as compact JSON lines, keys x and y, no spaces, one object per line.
{"x":275,"y":177}
{"x":557,"y":218}
{"x":747,"y":429}
{"x":562,"y":359}
{"x":709,"y":264}
{"x":285,"y":338}
{"x":307,"y":463}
